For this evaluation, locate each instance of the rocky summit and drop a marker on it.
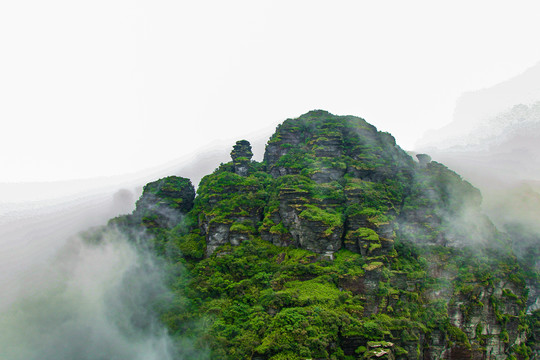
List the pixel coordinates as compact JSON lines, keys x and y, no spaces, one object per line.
{"x":338,"y":245}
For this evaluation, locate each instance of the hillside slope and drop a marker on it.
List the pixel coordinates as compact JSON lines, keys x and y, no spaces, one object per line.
{"x":337,"y":246}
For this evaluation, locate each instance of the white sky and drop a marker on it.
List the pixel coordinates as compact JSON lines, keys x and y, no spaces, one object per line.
{"x":108,"y":87}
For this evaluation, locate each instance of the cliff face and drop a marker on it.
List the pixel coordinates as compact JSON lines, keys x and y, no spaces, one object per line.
{"x":339,"y":245}
{"x":329,"y":182}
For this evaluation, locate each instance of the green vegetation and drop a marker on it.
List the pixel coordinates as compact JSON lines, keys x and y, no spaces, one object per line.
{"x":327,"y":217}
{"x":390,"y":270}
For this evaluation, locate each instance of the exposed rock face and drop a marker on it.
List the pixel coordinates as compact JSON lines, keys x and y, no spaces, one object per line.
{"x":241,"y":156}
{"x":217,"y":234}
{"x":277,"y":147}
{"x":338,"y":182}
{"x":231,"y":201}
{"x":307,"y":231}
{"x":331,"y":182}
{"x":165,"y":201}
{"x":423,"y":159}
{"x":320,"y":150}
{"x":163,"y":205}
{"x":478,"y":319}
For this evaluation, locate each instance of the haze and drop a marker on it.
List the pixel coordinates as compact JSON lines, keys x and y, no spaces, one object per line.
{"x":98,"y":98}
{"x":107,"y":88}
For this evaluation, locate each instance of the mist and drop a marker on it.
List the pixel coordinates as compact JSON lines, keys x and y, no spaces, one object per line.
{"x":493,"y":143}
{"x":73,"y":293}
{"x":501,"y":156}
{"x":92,"y":301}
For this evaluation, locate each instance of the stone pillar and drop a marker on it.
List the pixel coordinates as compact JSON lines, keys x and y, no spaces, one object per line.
{"x":423,"y":159}
{"x":241,"y":156}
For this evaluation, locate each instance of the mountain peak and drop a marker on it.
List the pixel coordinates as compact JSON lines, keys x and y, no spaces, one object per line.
{"x":338,"y":246}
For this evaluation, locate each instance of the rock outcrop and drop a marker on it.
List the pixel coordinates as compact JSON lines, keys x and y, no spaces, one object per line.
{"x":241,"y":156}
{"x":423,"y":159}
{"x":330,"y":182}
{"x":165,"y":201}
{"x":418,"y":271}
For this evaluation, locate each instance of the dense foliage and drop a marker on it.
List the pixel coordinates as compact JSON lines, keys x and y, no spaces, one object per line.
{"x":337,"y":246}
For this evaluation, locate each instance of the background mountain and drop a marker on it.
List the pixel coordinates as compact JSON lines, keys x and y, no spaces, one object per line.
{"x":493,"y":142}
{"x":474,"y":109}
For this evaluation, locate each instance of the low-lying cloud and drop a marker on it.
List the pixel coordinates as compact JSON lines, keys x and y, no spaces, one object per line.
{"x":94,"y":300}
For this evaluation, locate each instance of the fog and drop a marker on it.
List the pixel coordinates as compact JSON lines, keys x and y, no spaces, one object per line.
{"x":107,"y":87}
{"x":64,"y":297}
{"x":91,"y":301}
{"x":493,"y":142}
{"x":502,"y":158}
